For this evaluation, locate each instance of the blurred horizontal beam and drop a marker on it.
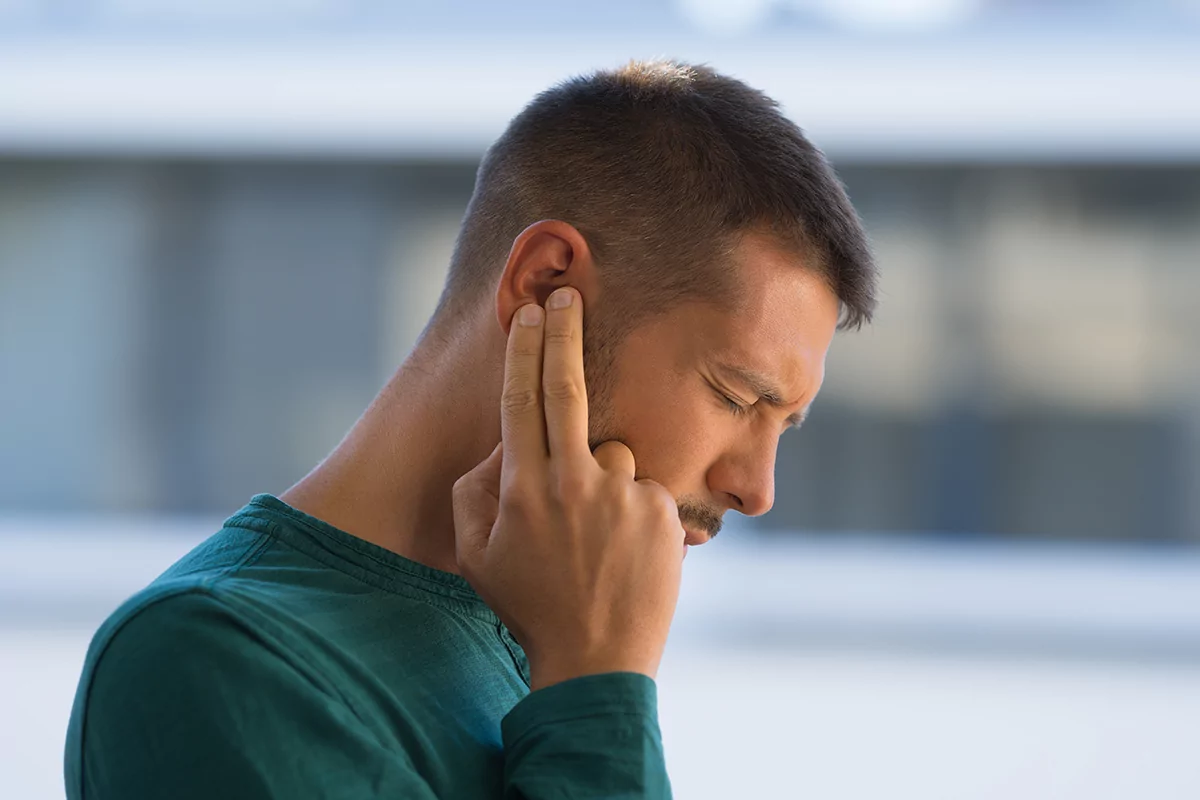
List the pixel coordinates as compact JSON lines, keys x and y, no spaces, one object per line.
{"x":844,"y":592}
{"x":968,"y":596}
{"x":978,"y":99}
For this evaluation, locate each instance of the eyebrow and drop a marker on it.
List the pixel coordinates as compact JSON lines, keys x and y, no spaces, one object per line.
{"x":766,"y":390}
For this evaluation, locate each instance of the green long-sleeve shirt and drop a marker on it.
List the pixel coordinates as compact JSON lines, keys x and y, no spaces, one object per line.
{"x":283,"y":658}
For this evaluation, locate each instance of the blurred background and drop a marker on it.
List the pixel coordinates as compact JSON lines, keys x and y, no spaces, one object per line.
{"x":223,"y":224}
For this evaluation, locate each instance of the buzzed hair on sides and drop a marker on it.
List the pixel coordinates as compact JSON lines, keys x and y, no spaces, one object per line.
{"x":660,"y":165}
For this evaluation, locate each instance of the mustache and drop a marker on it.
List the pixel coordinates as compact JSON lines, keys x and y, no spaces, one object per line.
{"x":699,"y":516}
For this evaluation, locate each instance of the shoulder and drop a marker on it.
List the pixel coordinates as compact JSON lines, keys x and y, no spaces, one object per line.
{"x":194,"y":602}
{"x":131,"y":666}
{"x":166,"y":616}
{"x":170,"y":637}
{"x":177,"y":681}
{"x":185,"y":634}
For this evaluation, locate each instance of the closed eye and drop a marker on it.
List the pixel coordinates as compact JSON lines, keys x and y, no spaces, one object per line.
{"x":735,"y":408}
{"x":740,"y":410}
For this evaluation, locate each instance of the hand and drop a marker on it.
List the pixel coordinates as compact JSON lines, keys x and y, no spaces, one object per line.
{"x":578,"y":559}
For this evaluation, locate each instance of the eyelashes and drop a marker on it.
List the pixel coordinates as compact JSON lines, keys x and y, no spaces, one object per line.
{"x":735,"y":408}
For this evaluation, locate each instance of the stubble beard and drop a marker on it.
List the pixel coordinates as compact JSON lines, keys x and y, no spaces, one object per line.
{"x":600,"y":370}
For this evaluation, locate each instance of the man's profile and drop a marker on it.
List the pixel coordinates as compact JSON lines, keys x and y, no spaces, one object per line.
{"x":470,"y":595}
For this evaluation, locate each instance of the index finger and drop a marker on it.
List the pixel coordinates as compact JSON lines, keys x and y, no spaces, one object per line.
{"x":522,"y":423}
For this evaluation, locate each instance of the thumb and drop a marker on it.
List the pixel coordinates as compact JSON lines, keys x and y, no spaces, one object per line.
{"x":476,"y":499}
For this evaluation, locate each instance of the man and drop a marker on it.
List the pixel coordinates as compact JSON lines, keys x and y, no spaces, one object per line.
{"x":417,"y":618}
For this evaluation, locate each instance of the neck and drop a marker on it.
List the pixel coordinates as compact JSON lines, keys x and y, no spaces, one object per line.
{"x":390,"y":479}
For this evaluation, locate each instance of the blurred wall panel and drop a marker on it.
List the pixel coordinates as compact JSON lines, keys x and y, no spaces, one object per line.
{"x":266,"y":302}
{"x":1031,"y":371}
{"x":73,"y":239}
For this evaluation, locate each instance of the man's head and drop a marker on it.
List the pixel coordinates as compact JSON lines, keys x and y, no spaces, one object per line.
{"x":716,"y":253}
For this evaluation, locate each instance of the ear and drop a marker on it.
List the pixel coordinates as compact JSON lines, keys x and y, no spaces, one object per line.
{"x":546,"y":255}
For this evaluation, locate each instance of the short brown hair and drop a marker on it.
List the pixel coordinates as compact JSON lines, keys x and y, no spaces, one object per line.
{"x":660,"y":165}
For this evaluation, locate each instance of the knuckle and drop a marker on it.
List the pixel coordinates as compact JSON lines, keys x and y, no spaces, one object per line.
{"x":570,"y":484}
{"x":518,"y":399}
{"x":647,"y":486}
{"x":515,"y":497}
{"x":669,"y":508}
{"x":526,"y":351}
{"x":659,"y":498}
{"x":511,"y":503}
{"x":563,"y":390}
{"x":627,"y":501}
{"x":618,"y":484}
{"x":615,"y":449}
{"x":559,"y":335}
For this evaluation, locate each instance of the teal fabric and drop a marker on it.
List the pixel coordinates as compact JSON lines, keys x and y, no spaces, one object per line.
{"x":283,"y":658}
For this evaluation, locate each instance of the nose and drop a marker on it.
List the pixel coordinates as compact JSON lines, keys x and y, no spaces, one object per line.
{"x":746,"y":477}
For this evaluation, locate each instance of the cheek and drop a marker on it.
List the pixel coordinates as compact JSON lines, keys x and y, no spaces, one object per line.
{"x":666,"y":414}
{"x":674,"y":435}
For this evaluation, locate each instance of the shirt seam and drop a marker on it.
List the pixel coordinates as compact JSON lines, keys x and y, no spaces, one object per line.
{"x":438,"y":595}
{"x":364,"y":549}
{"x":512,"y":654}
{"x":257,"y":523}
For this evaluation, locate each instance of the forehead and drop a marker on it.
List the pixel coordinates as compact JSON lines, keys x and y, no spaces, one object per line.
{"x":784,"y":319}
{"x":780,"y":289}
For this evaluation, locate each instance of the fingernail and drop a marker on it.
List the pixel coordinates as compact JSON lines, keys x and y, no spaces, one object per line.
{"x":530,"y":315}
{"x":560,"y":299}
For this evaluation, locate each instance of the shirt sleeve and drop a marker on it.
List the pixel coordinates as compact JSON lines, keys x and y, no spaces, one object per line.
{"x":185,"y":702}
{"x":595,"y":736}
